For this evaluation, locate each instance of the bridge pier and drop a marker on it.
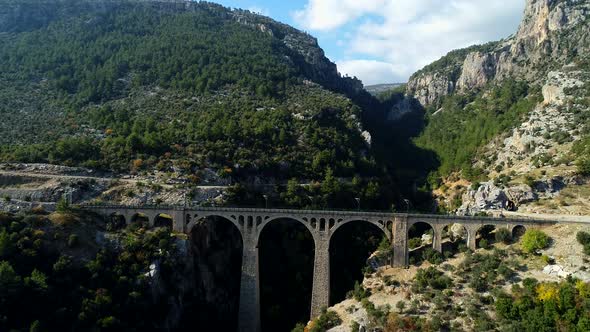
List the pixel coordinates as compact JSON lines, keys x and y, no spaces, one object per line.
{"x":320,"y":294}
{"x":179,"y":221}
{"x":472,"y":237}
{"x":249,"y":311}
{"x":400,"y":242}
{"x":437,"y":237}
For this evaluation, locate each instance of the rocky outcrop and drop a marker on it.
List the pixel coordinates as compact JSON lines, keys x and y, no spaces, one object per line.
{"x":552,"y":33}
{"x":430,"y":87}
{"x":478,"y":69}
{"x":489,"y":196}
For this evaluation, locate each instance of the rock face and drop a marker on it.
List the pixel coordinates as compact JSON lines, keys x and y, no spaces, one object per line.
{"x":552,"y":33}
{"x":486,"y":197}
{"x":492,"y":197}
{"x":430,"y":87}
{"x":478,"y":69}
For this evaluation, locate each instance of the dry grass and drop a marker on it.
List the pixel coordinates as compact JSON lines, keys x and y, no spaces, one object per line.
{"x":63,"y":219}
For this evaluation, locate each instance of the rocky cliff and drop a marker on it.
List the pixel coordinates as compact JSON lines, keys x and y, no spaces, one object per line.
{"x":552,"y":34}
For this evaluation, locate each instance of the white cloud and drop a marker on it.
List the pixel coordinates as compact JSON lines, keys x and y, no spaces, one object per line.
{"x":373,"y":72}
{"x":408,"y":34}
{"x":331,"y":14}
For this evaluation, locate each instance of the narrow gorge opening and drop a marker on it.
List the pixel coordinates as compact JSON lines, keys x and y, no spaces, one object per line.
{"x":216,"y":245}
{"x":286,"y":255}
{"x":350,"y":248}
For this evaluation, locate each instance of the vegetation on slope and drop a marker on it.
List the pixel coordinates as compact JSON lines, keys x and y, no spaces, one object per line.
{"x":189,"y":89}
{"x":468,"y":122}
{"x":54,"y":276}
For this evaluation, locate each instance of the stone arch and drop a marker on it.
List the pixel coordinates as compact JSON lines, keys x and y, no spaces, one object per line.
{"x":381,"y":224}
{"x":116,"y":221}
{"x":517,"y":231}
{"x":274,"y":240}
{"x":453,"y":235}
{"x":197,"y":217}
{"x":484,"y":232}
{"x":413,"y":225}
{"x":164,"y":220}
{"x":351,"y":246}
{"x":308,"y":224}
{"x":140,"y":217}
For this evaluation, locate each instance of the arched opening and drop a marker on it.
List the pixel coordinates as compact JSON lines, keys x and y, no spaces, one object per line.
{"x":454,"y":239}
{"x":286,"y":257}
{"x":517,"y":232}
{"x":485,"y":236}
{"x":216,"y":247}
{"x":115,"y":222}
{"x":420,"y":243}
{"x":164,"y":220}
{"x":351,"y":256}
{"x":140,"y":220}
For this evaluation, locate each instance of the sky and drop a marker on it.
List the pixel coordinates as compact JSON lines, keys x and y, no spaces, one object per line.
{"x":385,"y":41}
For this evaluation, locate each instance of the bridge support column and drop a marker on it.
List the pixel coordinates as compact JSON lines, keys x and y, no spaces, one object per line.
{"x":249,"y":312}
{"x":320,"y":294}
{"x":437,"y":239}
{"x":471,"y":238}
{"x":179,"y":221}
{"x":400,"y":242}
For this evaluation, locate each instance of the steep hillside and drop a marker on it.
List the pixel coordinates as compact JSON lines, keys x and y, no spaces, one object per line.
{"x":553,"y":33}
{"x":511,"y":115}
{"x":132,"y":86}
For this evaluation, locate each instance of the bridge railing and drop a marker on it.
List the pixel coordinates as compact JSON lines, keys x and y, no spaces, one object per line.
{"x":332,"y":212}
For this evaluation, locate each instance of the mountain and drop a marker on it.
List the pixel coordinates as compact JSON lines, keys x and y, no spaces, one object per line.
{"x":104,"y":83}
{"x":511,"y":114}
{"x":553,"y":33}
{"x":380,"y":88}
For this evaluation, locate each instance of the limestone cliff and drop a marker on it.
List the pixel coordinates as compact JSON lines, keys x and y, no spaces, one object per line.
{"x":551,"y":34}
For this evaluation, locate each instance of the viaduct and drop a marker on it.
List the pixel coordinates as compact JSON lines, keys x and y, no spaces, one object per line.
{"x":322,"y":225}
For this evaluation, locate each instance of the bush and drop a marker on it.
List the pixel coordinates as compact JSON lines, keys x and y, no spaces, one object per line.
{"x":583,"y":238}
{"x":326,"y":321}
{"x":483,"y":243}
{"x":62,"y":205}
{"x":503,"y":235}
{"x":534,"y":240}
{"x":359,"y":293}
{"x":432,"y":256}
{"x":414,"y":243}
{"x":73,"y":241}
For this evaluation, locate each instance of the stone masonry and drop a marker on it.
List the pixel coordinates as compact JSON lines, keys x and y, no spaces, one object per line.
{"x":322,"y":225}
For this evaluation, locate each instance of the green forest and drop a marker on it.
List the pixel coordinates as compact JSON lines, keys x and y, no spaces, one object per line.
{"x":54,"y":276}
{"x":139,"y":87}
{"x":468,"y":122}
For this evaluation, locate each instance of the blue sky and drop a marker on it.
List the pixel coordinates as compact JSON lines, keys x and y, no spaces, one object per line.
{"x":385,"y":41}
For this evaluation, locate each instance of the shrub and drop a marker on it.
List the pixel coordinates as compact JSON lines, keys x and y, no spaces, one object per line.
{"x":326,"y":321}
{"x":583,"y":238}
{"x":503,"y":235}
{"x":62,"y":205}
{"x":414,"y":243}
{"x":298,"y":328}
{"x":359,"y":292}
{"x":483,"y":243}
{"x":73,"y":241}
{"x":433,"y":278}
{"x":534,"y":240}
{"x":432,"y":256}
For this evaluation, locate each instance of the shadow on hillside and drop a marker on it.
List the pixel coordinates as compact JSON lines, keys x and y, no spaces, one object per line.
{"x":393,"y":146}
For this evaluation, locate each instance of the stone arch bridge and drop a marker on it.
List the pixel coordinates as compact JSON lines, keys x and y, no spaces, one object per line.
{"x":322,"y":225}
